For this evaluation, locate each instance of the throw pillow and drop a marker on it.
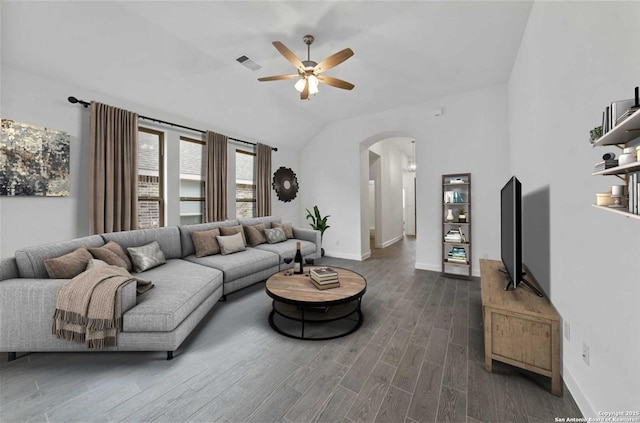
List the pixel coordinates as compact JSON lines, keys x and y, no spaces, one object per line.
{"x":146,"y":257}
{"x":288,"y":228}
{"x":96,"y":263}
{"x":112,"y":253}
{"x":275,"y":235}
{"x":69,"y":265}
{"x":230,"y":230}
{"x":231,"y":244}
{"x":205,"y":242}
{"x":255,"y":234}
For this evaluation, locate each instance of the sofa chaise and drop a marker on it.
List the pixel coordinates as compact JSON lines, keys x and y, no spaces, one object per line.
{"x":185,"y":289}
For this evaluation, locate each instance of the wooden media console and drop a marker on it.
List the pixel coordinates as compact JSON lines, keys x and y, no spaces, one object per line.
{"x":520,"y":328}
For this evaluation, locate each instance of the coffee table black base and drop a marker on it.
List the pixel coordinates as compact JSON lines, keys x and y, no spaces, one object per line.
{"x":305,"y":313}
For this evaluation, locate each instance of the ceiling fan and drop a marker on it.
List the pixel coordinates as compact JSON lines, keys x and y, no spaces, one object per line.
{"x":309,"y":71}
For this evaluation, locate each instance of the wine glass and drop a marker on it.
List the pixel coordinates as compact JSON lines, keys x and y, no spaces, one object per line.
{"x":310,"y":262}
{"x":287,"y":260}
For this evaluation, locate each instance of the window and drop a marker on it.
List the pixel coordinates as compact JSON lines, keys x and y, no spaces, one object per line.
{"x":245,"y":184}
{"x":150,"y":179}
{"x":192,"y":165}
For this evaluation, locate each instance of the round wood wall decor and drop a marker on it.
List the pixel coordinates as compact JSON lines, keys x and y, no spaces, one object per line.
{"x":285,"y":184}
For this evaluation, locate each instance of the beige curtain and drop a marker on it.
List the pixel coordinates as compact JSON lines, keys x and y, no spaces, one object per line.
{"x":216,"y":182}
{"x":113,"y":169}
{"x":263,"y":180}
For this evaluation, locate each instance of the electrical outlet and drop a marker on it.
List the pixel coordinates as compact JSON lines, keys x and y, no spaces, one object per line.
{"x":585,"y":353}
{"x":567,"y":331}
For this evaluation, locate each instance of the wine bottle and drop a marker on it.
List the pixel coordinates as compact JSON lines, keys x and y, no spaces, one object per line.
{"x":297,"y":261}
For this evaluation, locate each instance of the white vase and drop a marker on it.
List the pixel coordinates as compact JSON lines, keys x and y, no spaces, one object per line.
{"x":450,"y":215}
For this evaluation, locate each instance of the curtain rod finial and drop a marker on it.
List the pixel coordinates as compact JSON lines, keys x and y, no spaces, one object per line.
{"x":72,"y":100}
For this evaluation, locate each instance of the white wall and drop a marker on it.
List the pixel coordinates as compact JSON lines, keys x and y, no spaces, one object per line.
{"x":471,"y":136}
{"x":28,"y":221}
{"x":575,"y":58}
{"x":408,"y":180}
{"x":392,"y":161}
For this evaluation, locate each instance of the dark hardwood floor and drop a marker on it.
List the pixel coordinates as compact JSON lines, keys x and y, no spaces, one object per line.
{"x":418,"y":357}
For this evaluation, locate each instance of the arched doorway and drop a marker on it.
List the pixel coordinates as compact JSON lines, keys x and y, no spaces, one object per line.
{"x":387,"y":190}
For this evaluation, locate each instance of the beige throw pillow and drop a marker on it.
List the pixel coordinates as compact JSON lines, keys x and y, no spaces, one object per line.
{"x":69,"y":265}
{"x":255,"y":234}
{"x":287,"y":227}
{"x":231,"y":244}
{"x":205,"y":242}
{"x":112,"y":253}
{"x":230,"y":230}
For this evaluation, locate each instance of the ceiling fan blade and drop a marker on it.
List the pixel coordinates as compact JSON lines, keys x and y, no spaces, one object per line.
{"x":333,"y":60}
{"x":277,"y":77}
{"x":335,"y":82}
{"x":288,"y":54}
{"x":304,"y":95}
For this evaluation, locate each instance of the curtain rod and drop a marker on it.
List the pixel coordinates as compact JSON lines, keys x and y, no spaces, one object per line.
{"x":74,"y":100}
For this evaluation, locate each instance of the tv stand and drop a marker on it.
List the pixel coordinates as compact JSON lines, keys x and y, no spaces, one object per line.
{"x":520,"y":328}
{"x":527,"y":284}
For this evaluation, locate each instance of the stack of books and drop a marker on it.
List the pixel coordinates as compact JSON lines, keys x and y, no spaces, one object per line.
{"x":605,"y":164}
{"x":453,"y":197}
{"x":455,"y":235}
{"x":457,"y":255}
{"x":324,"y":277}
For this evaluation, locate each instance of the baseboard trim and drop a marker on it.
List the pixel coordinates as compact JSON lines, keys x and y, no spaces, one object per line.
{"x":366,"y":255}
{"x":390,"y":242}
{"x":579,"y":396}
{"x":343,"y":255}
{"x":427,"y":266}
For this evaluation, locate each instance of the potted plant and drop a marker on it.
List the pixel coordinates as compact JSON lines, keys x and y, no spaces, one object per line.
{"x":318,"y":223}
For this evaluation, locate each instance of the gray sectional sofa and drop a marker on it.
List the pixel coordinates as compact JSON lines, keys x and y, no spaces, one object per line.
{"x":185,"y":289}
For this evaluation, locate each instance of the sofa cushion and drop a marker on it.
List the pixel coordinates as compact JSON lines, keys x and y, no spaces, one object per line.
{"x":255,"y":234}
{"x":179,"y":288}
{"x":205,"y":242}
{"x":30,"y":260}
{"x":168,"y":238}
{"x":147,"y":256}
{"x":287,"y":227}
{"x":113,"y":254}
{"x":68,"y":265}
{"x":287,"y":249}
{"x":185,"y":233}
{"x":238,"y":265}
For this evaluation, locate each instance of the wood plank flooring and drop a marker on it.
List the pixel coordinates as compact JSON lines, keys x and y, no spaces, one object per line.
{"x":418,"y":357}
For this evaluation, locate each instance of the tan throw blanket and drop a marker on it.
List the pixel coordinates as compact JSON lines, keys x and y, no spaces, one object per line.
{"x":89,"y":306}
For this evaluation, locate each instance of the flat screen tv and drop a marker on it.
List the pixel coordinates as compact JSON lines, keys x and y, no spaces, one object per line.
{"x":511,"y":234}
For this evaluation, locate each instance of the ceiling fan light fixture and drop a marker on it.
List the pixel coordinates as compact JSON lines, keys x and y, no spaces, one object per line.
{"x":300,"y":84}
{"x":313,"y":84}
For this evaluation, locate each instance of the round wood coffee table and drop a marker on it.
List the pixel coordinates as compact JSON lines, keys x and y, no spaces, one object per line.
{"x":296,"y":298}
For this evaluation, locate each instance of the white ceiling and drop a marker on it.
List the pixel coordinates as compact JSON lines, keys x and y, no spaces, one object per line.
{"x":179,"y":57}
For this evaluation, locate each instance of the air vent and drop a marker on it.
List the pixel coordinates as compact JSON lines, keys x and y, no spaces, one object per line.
{"x":249,"y":63}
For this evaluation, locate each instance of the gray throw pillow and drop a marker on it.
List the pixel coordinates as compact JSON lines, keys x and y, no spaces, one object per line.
{"x":231,"y":244}
{"x":275,"y":235}
{"x":146,"y":257}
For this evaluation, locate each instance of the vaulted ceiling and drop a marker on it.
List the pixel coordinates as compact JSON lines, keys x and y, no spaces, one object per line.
{"x":178,"y":57}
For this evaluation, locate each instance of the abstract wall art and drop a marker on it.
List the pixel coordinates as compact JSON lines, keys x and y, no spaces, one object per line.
{"x":34,"y":161}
